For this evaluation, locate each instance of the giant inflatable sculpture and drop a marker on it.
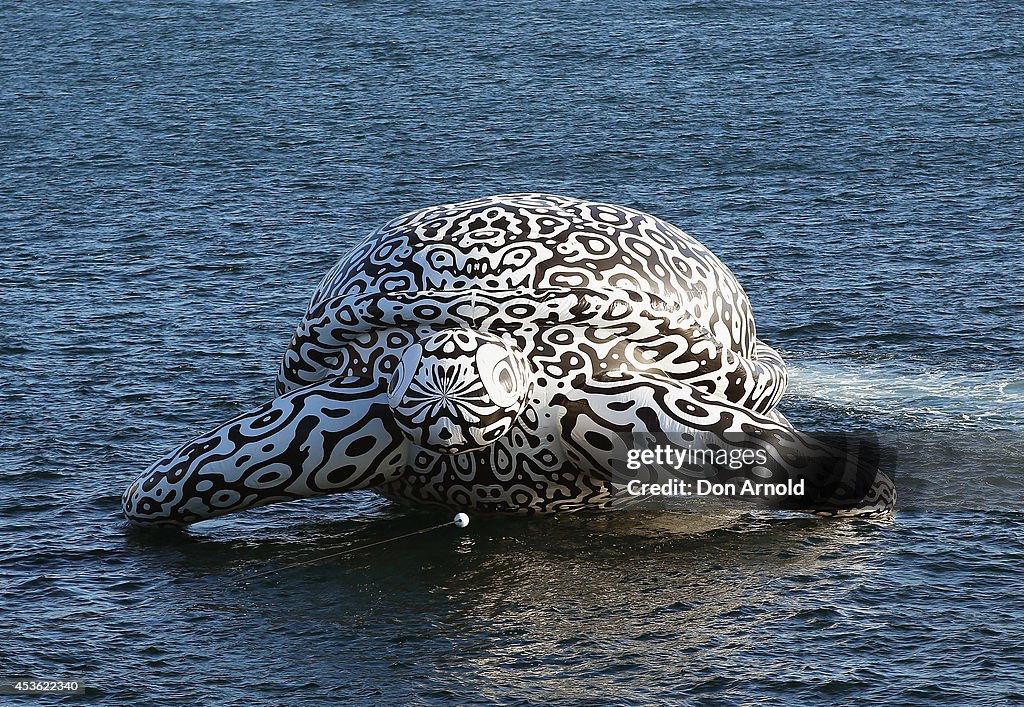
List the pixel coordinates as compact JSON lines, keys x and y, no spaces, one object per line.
{"x":505,"y":355}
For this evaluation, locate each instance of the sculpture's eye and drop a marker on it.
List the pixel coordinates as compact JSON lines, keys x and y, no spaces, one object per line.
{"x":440,"y":258}
{"x":499,"y":374}
{"x":403,"y":375}
{"x":505,"y":380}
{"x":396,"y":380}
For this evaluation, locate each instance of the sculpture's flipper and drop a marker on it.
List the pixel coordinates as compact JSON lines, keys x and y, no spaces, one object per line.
{"x":606,"y":418}
{"x":333,"y":436}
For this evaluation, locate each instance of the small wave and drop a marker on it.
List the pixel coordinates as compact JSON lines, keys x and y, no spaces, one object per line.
{"x":964,"y":398}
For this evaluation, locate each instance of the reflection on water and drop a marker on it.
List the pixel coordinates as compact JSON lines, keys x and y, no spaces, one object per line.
{"x":576,"y":604}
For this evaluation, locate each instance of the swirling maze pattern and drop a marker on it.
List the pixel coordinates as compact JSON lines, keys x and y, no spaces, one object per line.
{"x":337,"y":435}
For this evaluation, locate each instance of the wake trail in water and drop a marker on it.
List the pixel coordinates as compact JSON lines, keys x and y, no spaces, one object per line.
{"x":957,"y":436}
{"x":929,"y":398}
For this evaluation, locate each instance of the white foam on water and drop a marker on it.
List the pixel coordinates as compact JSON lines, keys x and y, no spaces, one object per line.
{"x":987,"y":398}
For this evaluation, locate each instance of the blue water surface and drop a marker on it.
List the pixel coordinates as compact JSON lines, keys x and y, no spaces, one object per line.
{"x":176,"y":176}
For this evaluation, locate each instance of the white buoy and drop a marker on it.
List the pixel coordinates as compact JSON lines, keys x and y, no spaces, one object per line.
{"x":461,"y":520}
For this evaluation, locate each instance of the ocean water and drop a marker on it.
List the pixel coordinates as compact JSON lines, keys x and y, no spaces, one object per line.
{"x":176,"y":176}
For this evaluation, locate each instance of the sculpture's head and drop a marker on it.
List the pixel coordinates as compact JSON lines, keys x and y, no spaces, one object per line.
{"x":458,"y":390}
